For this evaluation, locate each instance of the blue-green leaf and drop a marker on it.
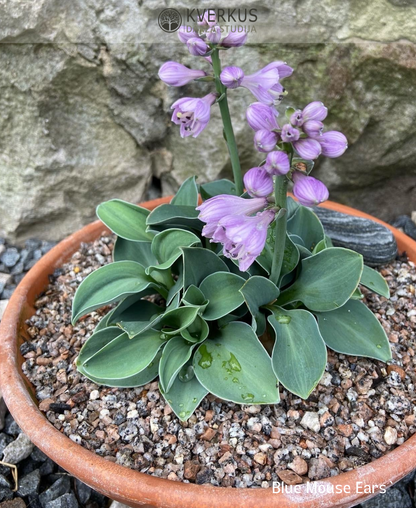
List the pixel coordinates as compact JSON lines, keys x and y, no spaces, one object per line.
{"x":299,"y":352}
{"x":141,"y":252}
{"x":175,"y":354}
{"x":258,"y":291}
{"x":374,"y":281}
{"x":221,"y":289}
{"x":211,"y":189}
{"x":305,"y":223}
{"x":187,"y":194}
{"x":125,"y":219}
{"x":354,"y":330}
{"x":199,"y":263}
{"x":175,"y":215}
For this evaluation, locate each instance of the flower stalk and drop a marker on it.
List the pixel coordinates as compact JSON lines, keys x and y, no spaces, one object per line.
{"x":280,"y":194}
{"x":227,"y":125}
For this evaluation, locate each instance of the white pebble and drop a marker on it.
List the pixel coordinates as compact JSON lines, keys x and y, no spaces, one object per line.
{"x":310,"y":420}
{"x":94,"y":395}
{"x":390,"y":436}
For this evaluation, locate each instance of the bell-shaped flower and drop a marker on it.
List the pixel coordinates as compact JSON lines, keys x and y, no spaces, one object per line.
{"x":214,"y":34}
{"x":277,"y":163}
{"x":197,"y":47}
{"x":258,"y":182}
{"x":308,"y":148}
{"x":192,"y":114}
{"x":260,"y":116}
{"x":234,"y":39}
{"x":185,"y":33}
{"x":176,"y":74}
{"x":231,"y":77}
{"x":313,"y":128}
{"x":265,"y":141}
{"x":333,"y":143}
{"x":260,"y":83}
{"x":308,"y":190}
{"x":289,"y":133}
{"x":313,"y":111}
{"x":243,"y":237}
{"x":214,"y":209}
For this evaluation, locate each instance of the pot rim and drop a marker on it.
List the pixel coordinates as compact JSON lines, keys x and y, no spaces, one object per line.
{"x":137,"y":489}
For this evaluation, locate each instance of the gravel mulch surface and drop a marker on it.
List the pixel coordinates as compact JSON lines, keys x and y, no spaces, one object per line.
{"x":361,"y":409}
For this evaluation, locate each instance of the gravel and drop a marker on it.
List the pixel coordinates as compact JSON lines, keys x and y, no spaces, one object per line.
{"x":361,"y":409}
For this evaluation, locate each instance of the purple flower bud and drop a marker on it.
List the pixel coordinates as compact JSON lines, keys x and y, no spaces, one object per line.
{"x":231,"y":77}
{"x":289,"y":133}
{"x":313,"y":128}
{"x":333,"y":143}
{"x":185,"y":33}
{"x":192,"y":114}
{"x":314,"y":111}
{"x":234,"y":40}
{"x":258,"y":182}
{"x":244,"y":237}
{"x":209,"y":18}
{"x":196,"y":46}
{"x":259,"y":116}
{"x":214,"y":34}
{"x":308,"y":148}
{"x":214,"y":209}
{"x":265,"y":141}
{"x":176,"y":74}
{"x":296,"y":118}
{"x":282,"y":68}
{"x":308,"y":190}
{"x":277,"y":163}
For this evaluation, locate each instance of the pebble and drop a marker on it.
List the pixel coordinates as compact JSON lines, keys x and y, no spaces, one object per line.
{"x":57,"y":489}
{"x":289,"y":477}
{"x":66,"y":501}
{"x":298,"y":465}
{"x":390,"y":436}
{"x":29,"y":484}
{"x":18,"y":450}
{"x":3,"y":410}
{"x":318,"y":469}
{"x":310,"y":420}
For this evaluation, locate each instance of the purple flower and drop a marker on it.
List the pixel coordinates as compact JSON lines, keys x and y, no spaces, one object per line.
{"x":296,"y":118}
{"x":209,"y":18}
{"x":196,"y":46}
{"x":308,"y":190}
{"x":214,"y":209}
{"x":259,"y":116}
{"x":308,"y":148}
{"x":261,"y":83}
{"x":192,"y":114}
{"x":313,"y":128}
{"x":289,"y":133}
{"x":314,"y":111}
{"x":258,"y":182}
{"x":234,"y":40}
{"x":231,"y":77}
{"x":176,"y":74}
{"x":185,"y":33}
{"x":243,"y":237}
{"x":277,"y":163}
{"x":265,"y":141}
{"x":282,"y":68}
{"x":214,"y":34}
{"x":333,"y":143}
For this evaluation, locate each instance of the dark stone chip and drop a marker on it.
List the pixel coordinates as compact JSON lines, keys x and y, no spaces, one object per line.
{"x":355,"y":451}
{"x":59,"y":407}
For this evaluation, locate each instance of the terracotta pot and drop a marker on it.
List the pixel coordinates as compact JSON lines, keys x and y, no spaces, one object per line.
{"x":138,"y":489}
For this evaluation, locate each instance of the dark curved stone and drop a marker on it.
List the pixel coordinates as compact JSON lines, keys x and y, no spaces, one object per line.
{"x":375,"y":242}
{"x":405,"y":223}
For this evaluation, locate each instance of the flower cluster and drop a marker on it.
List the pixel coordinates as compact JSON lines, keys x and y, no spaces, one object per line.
{"x":240,"y":224}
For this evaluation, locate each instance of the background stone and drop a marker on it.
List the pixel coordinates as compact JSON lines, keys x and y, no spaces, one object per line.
{"x":84,"y":118}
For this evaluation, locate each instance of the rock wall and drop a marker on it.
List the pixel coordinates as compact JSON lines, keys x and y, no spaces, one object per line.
{"x":83,"y":116}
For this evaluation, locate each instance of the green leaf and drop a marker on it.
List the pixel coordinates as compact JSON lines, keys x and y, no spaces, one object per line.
{"x":172,"y":322}
{"x":124,"y":357}
{"x":259,"y":291}
{"x":292,"y":207}
{"x":291,"y":258}
{"x":233,"y":267}
{"x":211,"y":189}
{"x":175,"y":215}
{"x":306,"y":225}
{"x":221,"y":289}
{"x":110,"y":319}
{"x":185,"y":394}
{"x":166,"y":246}
{"x":299,"y":353}
{"x":175,"y":354}
{"x":137,"y":317}
{"x":145,"y":376}
{"x":108,"y":284}
{"x":374,"y":281}
{"x":322,"y":245}
{"x":96,"y":342}
{"x":357,"y":295}
{"x":327,"y":280}
{"x":289,"y":112}
{"x":194,"y":297}
{"x":187,"y":194}
{"x":234,"y":366}
{"x":125,"y":219}
{"x":141,"y":252}
{"x":354,"y":330}
{"x":198,"y":331}
{"x":199,"y":263}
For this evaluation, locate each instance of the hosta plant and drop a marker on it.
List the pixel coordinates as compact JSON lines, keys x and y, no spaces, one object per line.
{"x":227,"y":291}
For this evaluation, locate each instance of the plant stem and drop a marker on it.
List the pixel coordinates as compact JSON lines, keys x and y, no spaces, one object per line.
{"x":280,"y":194}
{"x":226,"y":120}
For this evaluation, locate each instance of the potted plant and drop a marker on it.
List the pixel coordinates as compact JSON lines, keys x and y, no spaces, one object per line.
{"x":250,"y":291}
